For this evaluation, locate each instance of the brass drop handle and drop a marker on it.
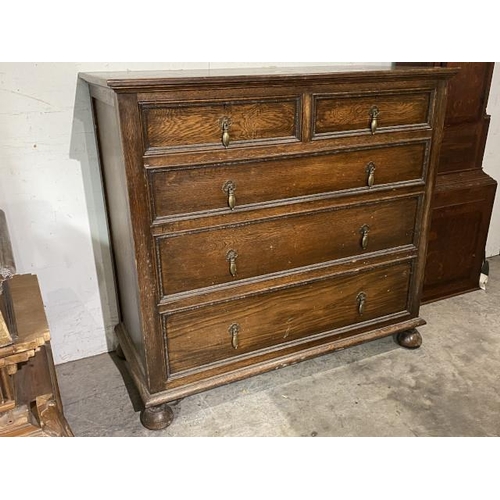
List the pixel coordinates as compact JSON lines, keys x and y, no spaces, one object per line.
{"x":370,"y":170}
{"x":234,"y":331}
{"x":374,"y":112}
{"x":231,"y":258}
{"x":225,"y":124}
{"x":361,"y":300}
{"x":229,"y":188}
{"x":364,"y":236}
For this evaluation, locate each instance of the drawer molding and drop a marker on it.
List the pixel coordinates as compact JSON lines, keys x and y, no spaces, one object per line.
{"x":218,"y":375}
{"x":197,"y":338}
{"x":199,"y":125}
{"x":390,"y":105}
{"x":330,"y":336}
{"x":190,"y":261}
{"x":245,"y":217}
{"x":228,"y":292}
{"x":195,"y":191}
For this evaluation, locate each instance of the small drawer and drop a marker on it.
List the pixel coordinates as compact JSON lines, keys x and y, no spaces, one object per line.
{"x":370,"y":114}
{"x":195,"y":125}
{"x":220,"y":332}
{"x":215,"y":256}
{"x":194,"y":190}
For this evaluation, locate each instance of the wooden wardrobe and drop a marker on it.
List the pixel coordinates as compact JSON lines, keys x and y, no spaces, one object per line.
{"x":464,"y":194}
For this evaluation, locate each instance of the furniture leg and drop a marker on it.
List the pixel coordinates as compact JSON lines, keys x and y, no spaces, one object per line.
{"x":156,"y":418}
{"x":411,"y":339}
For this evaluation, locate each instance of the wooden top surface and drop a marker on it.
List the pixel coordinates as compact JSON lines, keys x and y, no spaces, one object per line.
{"x":122,"y":80}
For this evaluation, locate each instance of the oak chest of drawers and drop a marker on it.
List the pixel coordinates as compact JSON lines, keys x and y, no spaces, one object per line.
{"x":260,"y":218}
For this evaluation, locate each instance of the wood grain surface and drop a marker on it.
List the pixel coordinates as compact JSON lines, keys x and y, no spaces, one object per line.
{"x":195,"y":124}
{"x":464,"y":195}
{"x":201,"y":337}
{"x":199,"y":259}
{"x":199,"y":189}
{"x":342,"y":115}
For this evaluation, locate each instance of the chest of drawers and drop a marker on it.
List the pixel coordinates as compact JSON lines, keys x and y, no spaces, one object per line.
{"x":262,"y":218}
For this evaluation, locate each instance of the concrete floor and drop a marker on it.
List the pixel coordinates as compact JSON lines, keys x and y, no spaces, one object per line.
{"x":448,"y":387}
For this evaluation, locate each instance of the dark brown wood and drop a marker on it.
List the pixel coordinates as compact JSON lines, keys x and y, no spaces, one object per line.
{"x":283,"y":208}
{"x":156,"y":418}
{"x":468,"y":92}
{"x":352,"y":114}
{"x":190,"y":190}
{"x":201,"y":337}
{"x":200,"y":259}
{"x":144,"y":257}
{"x":127,"y":81}
{"x":464,"y":194}
{"x":134,"y":363}
{"x":461,"y":216}
{"x":278,"y":281}
{"x":424,"y":225}
{"x":325,"y":253}
{"x":466,"y":121}
{"x":181,"y":124}
{"x":411,"y":339}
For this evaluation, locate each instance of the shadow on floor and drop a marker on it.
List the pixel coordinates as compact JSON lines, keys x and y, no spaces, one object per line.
{"x":133,"y":393}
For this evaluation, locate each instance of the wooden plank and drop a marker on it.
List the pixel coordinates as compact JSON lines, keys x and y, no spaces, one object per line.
{"x":126,"y":80}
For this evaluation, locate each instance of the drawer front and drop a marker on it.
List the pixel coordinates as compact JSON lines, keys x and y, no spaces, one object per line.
{"x":354,"y":114}
{"x":212,"y":257}
{"x":215,"y":333}
{"x":188,"y":125}
{"x":192,"y":190}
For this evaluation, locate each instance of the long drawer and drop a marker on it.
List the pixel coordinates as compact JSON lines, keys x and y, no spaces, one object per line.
{"x":214,"y":256}
{"x":221,"y":332}
{"x":371,"y":113}
{"x":192,"y":190}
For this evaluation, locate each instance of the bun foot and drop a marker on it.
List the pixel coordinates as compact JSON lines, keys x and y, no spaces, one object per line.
{"x":119,"y":352}
{"x":156,"y":418}
{"x":410,"y":339}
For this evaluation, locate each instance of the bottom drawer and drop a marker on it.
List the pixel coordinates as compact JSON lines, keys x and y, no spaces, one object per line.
{"x":223,"y":331}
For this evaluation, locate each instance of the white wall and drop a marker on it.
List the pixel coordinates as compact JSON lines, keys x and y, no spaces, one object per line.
{"x":50,"y":192}
{"x":491,"y":161}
